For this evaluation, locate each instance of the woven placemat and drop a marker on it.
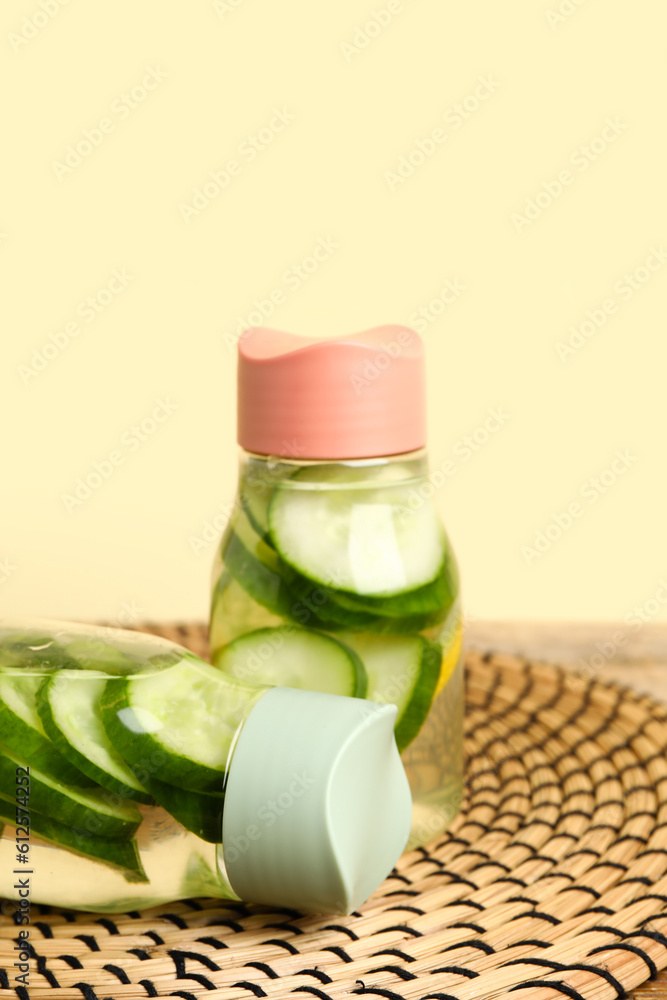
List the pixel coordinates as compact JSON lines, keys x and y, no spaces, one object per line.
{"x":551,"y":882}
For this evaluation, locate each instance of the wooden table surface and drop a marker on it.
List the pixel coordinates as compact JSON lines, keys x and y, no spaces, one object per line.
{"x":629,"y":654}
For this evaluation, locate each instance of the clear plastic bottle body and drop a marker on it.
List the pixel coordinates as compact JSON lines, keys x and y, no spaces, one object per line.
{"x":309,"y":546}
{"x":69,"y":840}
{"x":177,"y":864}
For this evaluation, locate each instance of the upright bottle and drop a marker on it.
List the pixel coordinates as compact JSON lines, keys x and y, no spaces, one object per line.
{"x":335,"y":573}
{"x":133,"y":773}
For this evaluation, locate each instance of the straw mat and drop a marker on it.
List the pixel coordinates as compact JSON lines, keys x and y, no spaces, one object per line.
{"x":551,"y":883}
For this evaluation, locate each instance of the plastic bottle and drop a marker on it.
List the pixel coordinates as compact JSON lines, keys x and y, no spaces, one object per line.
{"x":335,"y":572}
{"x":133,"y":773}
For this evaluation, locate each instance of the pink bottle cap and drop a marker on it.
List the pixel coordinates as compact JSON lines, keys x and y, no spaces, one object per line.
{"x":361,"y":396}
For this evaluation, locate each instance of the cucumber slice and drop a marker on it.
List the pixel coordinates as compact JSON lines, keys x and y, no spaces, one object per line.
{"x":94,"y":810}
{"x":255,"y":499}
{"x":295,"y":657}
{"x":96,"y":654}
{"x":331,"y":610}
{"x":255,"y":566}
{"x":33,"y":650}
{"x":22,"y":730}
{"x":199,"y":812}
{"x":403,"y":670}
{"x":68,"y":705}
{"x":120,"y":854}
{"x":366,"y":541}
{"x":433,"y":601}
{"x":314,"y":605}
{"x":182,"y":719}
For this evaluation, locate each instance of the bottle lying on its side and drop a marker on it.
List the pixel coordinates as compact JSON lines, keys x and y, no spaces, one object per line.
{"x":134,"y":773}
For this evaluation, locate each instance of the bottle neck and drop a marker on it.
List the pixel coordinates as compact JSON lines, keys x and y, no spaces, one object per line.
{"x":260,"y":472}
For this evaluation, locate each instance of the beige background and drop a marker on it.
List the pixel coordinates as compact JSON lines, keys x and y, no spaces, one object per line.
{"x":344,"y":99}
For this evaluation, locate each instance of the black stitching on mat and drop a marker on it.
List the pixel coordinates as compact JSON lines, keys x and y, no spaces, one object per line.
{"x":603,"y":781}
{"x":394,"y":951}
{"x":108,"y":925}
{"x":235,"y":926}
{"x":482,"y":804}
{"x":22,"y":993}
{"x":375,"y":989}
{"x":471,"y":927}
{"x":148,"y":986}
{"x":343,"y":930}
{"x":403,"y":928}
{"x":87,"y":990}
{"x":540,"y":915}
{"x":412,"y":909}
{"x":183,"y":995}
{"x":580,"y":791}
{"x":395,"y":969}
{"x":456,"y":970}
{"x":480,"y":945}
{"x":554,"y":966}
{"x":275,"y":927}
{"x":521,"y":899}
{"x":598,"y":909}
{"x":582,"y":888}
{"x":71,"y":960}
{"x":214,"y":942}
{"x":48,"y":975}
{"x":142,"y":955}
{"x":339,"y":951}
{"x":492,"y":864}
{"x":282,"y":944}
{"x":457,"y":880}
{"x":599,"y":971}
{"x":29,"y":948}
{"x":253,"y":987}
{"x":550,"y":984}
{"x":654,"y":935}
{"x":4,"y":982}
{"x":263,"y":967}
{"x":44,"y":928}
{"x":605,"y":929}
{"x":465,"y":902}
{"x":623,"y":946}
{"x":176,"y":920}
{"x":202,"y":980}
{"x":89,"y":941}
{"x":120,"y":973}
{"x":318,"y":974}
{"x":178,"y":957}
{"x":154,"y":937}
{"x":399,"y":878}
{"x":513,"y":812}
{"x":484,"y":788}
{"x":533,"y":942}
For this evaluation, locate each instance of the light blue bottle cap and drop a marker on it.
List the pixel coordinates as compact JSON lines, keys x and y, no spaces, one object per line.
{"x":317,"y":804}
